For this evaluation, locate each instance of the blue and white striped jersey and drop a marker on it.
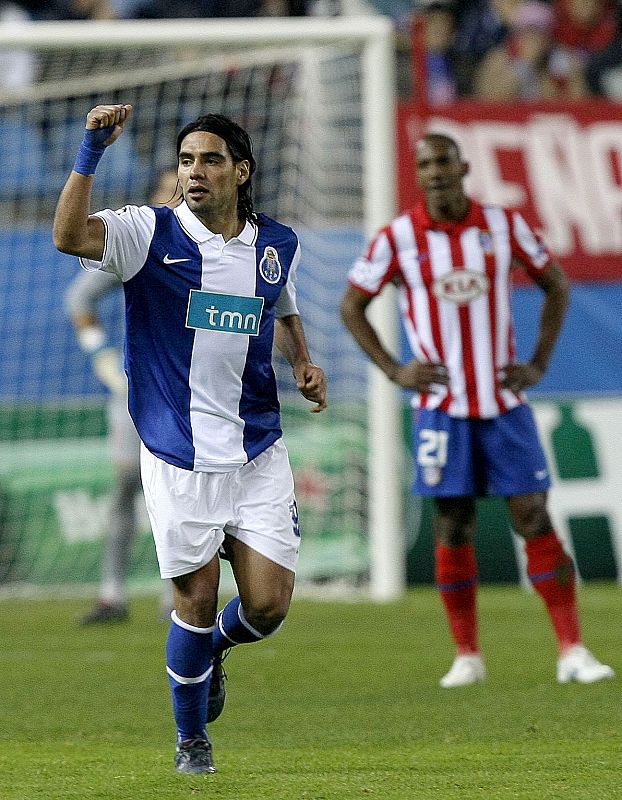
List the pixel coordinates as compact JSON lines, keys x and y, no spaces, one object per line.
{"x":199,"y":331}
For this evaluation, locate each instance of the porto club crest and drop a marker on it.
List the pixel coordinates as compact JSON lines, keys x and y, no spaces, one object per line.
{"x":270,"y":266}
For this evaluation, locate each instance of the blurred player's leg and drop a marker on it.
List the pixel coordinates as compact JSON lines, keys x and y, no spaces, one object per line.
{"x":552,"y":574}
{"x":123,"y":442}
{"x":457,"y":581}
{"x":456,"y":575}
{"x":118,"y":547}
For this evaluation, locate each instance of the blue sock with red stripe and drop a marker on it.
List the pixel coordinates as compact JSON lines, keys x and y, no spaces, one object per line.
{"x":457,"y":581}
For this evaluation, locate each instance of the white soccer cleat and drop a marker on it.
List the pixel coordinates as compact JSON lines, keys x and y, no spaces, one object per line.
{"x":578,"y":664}
{"x":465,"y":671}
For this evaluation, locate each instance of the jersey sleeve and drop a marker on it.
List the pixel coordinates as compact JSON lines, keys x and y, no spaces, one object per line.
{"x":85,"y":290}
{"x":375,"y":268}
{"x":128,"y":234}
{"x":528,"y":247}
{"x":285,"y":306}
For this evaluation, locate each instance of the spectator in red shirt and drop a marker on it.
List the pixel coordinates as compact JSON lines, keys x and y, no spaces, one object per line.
{"x":589,"y":31}
{"x":586,"y":26}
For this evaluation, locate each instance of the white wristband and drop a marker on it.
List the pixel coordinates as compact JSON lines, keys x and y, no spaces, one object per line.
{"x":91,"y":339}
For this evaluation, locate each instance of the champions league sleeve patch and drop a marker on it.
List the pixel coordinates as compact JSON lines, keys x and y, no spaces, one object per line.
{"x":270,"y":266}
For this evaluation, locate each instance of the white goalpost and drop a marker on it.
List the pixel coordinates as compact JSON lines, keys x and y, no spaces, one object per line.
{"x":318,"y":98}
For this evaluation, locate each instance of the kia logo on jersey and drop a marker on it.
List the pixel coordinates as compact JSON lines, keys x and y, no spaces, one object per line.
{"x":461,"y":286}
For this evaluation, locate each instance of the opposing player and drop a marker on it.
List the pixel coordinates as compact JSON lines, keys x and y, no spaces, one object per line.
{"x":205,"y":285}
{"x":82,"y":299}
{"x":474,"y":432}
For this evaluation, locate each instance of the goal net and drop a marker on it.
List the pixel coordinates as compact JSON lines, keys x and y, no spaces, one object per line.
{"x":316,"y":97}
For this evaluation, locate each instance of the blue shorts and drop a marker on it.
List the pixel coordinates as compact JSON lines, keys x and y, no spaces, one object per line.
{"x":478,"y":457}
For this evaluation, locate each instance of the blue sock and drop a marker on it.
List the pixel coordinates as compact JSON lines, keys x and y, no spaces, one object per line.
{"x":232,"y":628}
{"x":189,"y":667}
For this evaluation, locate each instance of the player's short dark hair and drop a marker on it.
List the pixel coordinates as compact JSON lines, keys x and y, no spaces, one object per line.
{"x":240,"y":146}
{"x":442,"y":138}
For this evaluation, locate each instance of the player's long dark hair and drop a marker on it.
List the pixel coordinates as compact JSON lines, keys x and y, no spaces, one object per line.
{"x":241,"y":149}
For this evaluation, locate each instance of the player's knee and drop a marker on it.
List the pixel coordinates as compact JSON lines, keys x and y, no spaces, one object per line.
{"x":455,"y":536}
{"x":266,"y":614}
{"x":454,"y":521}
{"x":530,"y":515}
{"x":196,"y":595}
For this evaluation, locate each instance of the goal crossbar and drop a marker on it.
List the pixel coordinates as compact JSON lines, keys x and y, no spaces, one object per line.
{"x":217,"y":32}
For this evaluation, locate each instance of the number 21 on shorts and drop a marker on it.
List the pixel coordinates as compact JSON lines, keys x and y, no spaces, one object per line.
{"x":432,"y":455}
{"x":432,"y":448}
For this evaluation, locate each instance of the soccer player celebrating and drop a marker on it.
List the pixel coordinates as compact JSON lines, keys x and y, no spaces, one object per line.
{"x":474,"y":432}
{"x":207,"y":284}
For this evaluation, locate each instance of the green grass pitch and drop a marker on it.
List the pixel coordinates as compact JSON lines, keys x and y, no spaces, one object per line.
{"x":343,"y":703}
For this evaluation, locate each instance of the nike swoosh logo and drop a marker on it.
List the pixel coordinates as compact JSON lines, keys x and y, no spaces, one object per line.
{"x":168,"y":260}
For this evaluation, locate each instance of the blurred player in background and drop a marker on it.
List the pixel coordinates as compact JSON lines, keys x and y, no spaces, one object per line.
{"x":81,"y":301}
{"x":474,"y":432}
{"x":206,"y":286}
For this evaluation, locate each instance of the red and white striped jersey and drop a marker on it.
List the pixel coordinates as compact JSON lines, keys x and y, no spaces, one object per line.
{"x":454,"y":282}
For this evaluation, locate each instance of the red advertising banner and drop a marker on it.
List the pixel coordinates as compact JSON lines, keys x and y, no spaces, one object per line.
{"x":560,"y":165}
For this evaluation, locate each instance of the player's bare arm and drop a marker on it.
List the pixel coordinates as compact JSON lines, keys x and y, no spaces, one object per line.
{"x":417,"y":375}
{"x":311,"y":381}
{"x":522,"y":375}
{"x":75,"y":231}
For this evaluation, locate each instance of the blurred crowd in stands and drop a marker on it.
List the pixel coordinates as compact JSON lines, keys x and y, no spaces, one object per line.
{"x":520,"y":50}
{"x":151,"y":9}
{"x":489,"y":49}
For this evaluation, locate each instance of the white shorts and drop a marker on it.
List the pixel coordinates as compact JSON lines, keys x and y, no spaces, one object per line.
{"x":191,"y":511}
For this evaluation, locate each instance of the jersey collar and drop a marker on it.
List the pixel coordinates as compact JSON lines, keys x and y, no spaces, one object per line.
{"x":421,"y":215}
{"x":197,"y":230}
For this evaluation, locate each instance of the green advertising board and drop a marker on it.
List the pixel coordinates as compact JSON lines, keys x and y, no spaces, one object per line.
{"x":55,"y":494}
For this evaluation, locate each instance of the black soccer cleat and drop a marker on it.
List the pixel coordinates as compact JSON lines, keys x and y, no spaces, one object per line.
{"x":216,"y":695}
{"x":194,"y":757}
{"x":104,"y":613}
